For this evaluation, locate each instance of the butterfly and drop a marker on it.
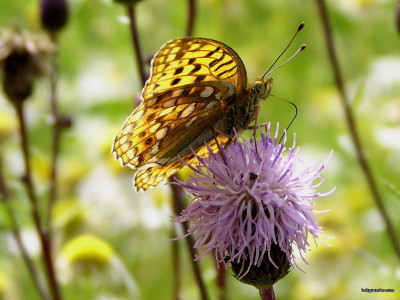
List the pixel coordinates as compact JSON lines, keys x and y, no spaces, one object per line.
{"x":197,"y":96}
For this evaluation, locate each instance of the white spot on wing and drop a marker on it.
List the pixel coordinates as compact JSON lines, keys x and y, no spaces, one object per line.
{"x":169,"y":103}
{"x":123,"y":139}
{"x":154,"y":149}
{"x":177,"y":93}
{"x":131,"y":153}
{"x":218,"y":96}
{"x":166,"y":111}
{"x":208,"y":90}
{"x":151,"y":101}
{"x":211,"y":104}
{"x":128,"y":128}
{"x":187,"y":111}
{"x":161,"y":133}
{"x":154,"y":128}
{"x":191,"y":121}
{"x":137,"y":115}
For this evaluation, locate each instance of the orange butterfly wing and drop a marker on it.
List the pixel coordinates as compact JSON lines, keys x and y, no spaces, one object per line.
{"x":190,"y":84}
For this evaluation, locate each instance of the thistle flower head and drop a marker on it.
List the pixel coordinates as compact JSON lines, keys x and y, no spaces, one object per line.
{"x":252,"y":205}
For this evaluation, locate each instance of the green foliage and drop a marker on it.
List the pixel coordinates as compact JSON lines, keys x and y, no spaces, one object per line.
{"x":98,"y":86}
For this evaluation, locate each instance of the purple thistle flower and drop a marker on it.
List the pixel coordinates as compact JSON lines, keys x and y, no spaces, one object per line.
{"x":251,"y":205}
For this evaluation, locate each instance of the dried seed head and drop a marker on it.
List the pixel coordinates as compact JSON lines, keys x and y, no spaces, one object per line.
{"x":22,"y":59}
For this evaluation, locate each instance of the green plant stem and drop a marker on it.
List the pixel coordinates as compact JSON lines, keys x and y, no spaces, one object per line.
{"x":176,"y":266}
{"x":15,"y":230}
{"x":27,"y":180}
{"x":267,"y":293}
{"x":351,"y":122}
{"x":191,"y":17}
{"x":136,"y":44}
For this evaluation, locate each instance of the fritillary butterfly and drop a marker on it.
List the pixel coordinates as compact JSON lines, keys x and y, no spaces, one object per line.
{"x":197,"y":96}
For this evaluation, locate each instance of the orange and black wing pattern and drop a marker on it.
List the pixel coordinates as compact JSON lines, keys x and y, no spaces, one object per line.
{"x":191,"y":81}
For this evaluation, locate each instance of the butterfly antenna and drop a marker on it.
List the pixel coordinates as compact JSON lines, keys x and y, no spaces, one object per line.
{"x":302,"y":24}
{"x":294,"y":117}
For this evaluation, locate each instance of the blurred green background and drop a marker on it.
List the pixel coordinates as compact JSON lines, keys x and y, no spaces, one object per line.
{"x":129,"y":232}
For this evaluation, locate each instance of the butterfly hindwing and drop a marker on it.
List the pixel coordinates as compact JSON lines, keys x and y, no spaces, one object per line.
{"x":161,"y":129}
{"x":153,"y":174}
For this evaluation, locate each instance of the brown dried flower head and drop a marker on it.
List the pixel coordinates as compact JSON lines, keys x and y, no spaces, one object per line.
{"x":22,"y":59}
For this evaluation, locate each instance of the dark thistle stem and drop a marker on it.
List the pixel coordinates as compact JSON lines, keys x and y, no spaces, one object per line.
{"x":221,"y":278}
{"x":27,"y":180}
{"x":351,"y":122}
{"x":136,"y":43}
{"x":178,"y":206}
{"x":15,"y":230}
{"x":267,"y":293}
{"x":57,"y":124}
{"x":191,"y":17}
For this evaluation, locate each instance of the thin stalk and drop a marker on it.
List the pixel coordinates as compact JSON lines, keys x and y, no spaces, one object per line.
{"x":56,"y":131}
{"x":191,"y":17}
{"x":136,"y":44}
{"x":27,"y":180}
{"x":178,"y":206}
{"x":221,"y":278}
{"x":176,"y":266}
{"x":15,"y":230}
{"x":351,"y":122}
{"x":267,"y":293}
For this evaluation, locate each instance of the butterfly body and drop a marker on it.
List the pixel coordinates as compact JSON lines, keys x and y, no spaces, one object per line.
{"x":197,"y":96}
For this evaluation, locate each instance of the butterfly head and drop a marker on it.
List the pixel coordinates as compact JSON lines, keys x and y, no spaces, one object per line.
{"x":262,"y":88}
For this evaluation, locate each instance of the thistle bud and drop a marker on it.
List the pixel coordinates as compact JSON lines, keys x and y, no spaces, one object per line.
{"x":266,"y":274}
{"x":53,"y":14}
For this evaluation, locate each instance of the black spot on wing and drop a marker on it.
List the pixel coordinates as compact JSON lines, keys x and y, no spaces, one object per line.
{"x":214,"y":62}
{"x":178,"y":71}
{"x":175,"y":81}
{"x":200,"y":78}
{"x":227,"y":71}
{"x":212,"y":52}
{"x":224,"y":64}
{"x":195,"y":69}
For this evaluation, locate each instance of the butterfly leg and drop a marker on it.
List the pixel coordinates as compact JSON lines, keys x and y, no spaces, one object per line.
{"x":219,"y":146}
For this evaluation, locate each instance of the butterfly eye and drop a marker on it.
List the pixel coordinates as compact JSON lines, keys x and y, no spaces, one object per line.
{"x":259,"y":88}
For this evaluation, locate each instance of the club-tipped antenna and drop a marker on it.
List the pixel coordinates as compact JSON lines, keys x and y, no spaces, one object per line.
{"x":302,"y":24}
{"x":285,"y":62}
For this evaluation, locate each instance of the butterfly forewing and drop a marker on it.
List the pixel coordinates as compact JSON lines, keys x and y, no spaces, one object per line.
{"x":189,"y":61}
{"x":191,"y":82}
